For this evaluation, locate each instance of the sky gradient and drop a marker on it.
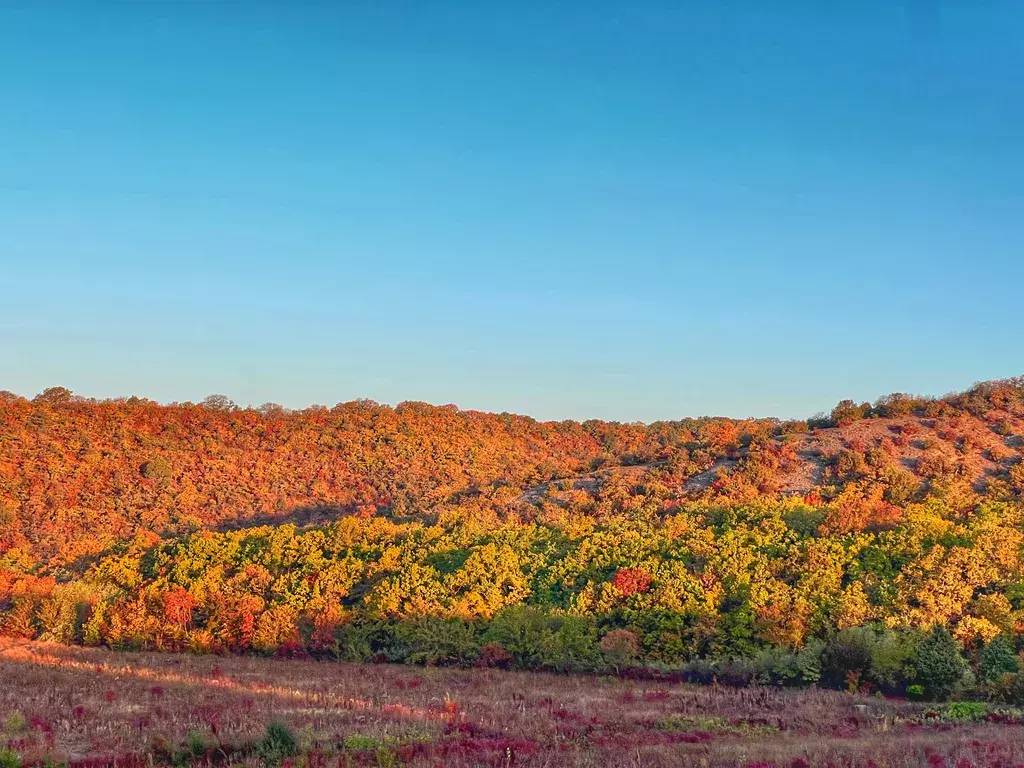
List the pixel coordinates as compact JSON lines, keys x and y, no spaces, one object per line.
{"x":567,"y":210}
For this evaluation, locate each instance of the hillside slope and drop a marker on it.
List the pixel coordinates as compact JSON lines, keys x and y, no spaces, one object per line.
{"x":79,"y":476}
{"x":782,"y":552}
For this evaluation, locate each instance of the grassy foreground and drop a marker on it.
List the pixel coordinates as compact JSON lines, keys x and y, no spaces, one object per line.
{"x":92,"y":708}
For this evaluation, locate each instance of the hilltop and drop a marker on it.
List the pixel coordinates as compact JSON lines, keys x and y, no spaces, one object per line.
{"x":78,"y":476}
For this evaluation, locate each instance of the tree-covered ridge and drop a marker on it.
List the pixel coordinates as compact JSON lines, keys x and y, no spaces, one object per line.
{"x":76,"y":477}
{"x":79,"y":476}
{"x":444,"y":536}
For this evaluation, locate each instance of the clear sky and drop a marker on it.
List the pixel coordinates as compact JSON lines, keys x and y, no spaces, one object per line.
{"x":567,"y":209}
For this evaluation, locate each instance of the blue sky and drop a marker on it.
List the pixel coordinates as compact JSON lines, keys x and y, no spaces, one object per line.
{"x":570,"y":210}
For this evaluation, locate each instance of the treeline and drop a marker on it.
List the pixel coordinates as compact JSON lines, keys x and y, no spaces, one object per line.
{"x":977,"y":401}
{"x":757,"y":590}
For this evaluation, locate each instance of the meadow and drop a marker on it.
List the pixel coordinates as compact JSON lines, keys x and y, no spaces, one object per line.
{"x":94,"y":708}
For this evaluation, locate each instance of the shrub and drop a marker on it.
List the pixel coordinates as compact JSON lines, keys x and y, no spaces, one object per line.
{"x":1009,"y":688}
{"x":198,"y":744}
{"x":940,"y":667}
{"x":277,"y":744}
{"x":895,"y":405}
{"x":936,"y":465}
{"x":775,"y":666}
{"x":157,"y":469}
{"x":9,"y":758}
{"x":849,"y":464}
{"x":901,"y":485}
{"x":574,"y":645}
{"x":808,"y":662}
{"x":847,"y":652}
{"x":14,"y":722}
{"x":792,"y":427}
{"x":892,"y":660}
{"x":804,"y":521}
{"x":997,"y":659}
{"x":523,"y":631}
{"x":494,"y":655}
{"x":352,"y":643}
{"x":847,"y":411}
{"x":736,"y":671}
{"x":699,"y":671}
{"x":1016,"y":477}
{"x":438,"y":641}
{"x":372,"y":641}
{"x":783,"y":666}
{"x":358,"y":741}
{"x":291,"y":650}
{"x":966,"y":711}
{"x":665,"y":636}
{"x":619,"y":648}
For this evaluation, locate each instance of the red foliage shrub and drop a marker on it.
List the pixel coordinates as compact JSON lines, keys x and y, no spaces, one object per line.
{"x":620,"y":647}
{"x":567,"y":715}
{"x":291,"y":651}
{"x":494,"y":655}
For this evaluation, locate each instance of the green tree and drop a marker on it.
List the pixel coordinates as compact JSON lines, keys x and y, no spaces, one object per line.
{"x":574,"y":644}
{"x":848,"y":652}
{"x":940,"y":666}
{"x":997,"y":659}
{"x":523,"y":631}
{"x":893,"y":655}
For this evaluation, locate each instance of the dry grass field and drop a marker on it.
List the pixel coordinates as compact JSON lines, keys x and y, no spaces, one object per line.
{"x":92,"y":708}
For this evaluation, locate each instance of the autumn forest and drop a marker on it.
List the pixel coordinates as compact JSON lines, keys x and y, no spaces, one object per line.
{"x":875,"y":548}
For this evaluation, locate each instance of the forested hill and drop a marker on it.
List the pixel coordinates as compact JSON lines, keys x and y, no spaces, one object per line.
{"x":78,"y":476}
{"x":429,"y":534}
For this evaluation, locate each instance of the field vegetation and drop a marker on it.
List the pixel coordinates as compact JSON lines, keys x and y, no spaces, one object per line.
{"x":93,"y":708}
